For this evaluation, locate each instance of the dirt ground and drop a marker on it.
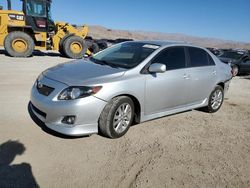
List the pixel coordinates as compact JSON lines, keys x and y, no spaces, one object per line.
{"x":192,"y":149}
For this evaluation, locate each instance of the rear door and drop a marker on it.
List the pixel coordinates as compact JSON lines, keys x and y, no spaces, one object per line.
{"x":167,"y":90}
{"x":201,"y":73}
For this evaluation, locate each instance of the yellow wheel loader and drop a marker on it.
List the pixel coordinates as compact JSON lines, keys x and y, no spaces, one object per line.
{"x":22,"y":32}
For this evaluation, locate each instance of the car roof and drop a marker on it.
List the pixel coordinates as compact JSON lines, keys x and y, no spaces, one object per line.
{"x":159,"y":42}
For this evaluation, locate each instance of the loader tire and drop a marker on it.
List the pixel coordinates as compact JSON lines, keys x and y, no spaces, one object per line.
{"x":19,"y":44}
{"x":61,"y":44}
{"x":74,"y":47}
{"x":61,"y":51}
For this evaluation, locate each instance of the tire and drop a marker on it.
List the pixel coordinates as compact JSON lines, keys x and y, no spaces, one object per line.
{"x":61,"y":44}
{"x":235,"y":70}
{"x":215,"y":100}
{"x":102,"y":45}
{"x":61,"y":51}
{"x":74,"y":47}
{"x":112,"y":122}
{"x":19,"y":44}
{"x":94,"y":48}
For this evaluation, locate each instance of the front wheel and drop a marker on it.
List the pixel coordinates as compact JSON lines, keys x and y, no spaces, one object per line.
{"x":117,"y":117}
{"x":74,"y":47}
{"x":215,"y":100}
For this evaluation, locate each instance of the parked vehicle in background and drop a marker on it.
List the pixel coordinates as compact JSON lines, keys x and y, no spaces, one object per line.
{"x":215,"y":51}
{"x":96,"y":45}
{"x":128,"y":82}
{"x":238,"y":59}
{"x":112,"y":42}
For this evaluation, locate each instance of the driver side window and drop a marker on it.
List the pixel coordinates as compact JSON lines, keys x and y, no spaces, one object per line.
{"x":173,"y":58}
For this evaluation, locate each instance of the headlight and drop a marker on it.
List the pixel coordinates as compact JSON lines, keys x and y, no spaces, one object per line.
{"x":76,"y":92}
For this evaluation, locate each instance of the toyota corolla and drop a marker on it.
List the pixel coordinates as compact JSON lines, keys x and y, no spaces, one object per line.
{"x":127,"y":83}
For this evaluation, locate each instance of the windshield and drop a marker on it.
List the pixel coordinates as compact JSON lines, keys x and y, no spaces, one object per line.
{"x":231,"y":55}
{"x":36,"y":8}
{"x":125,"y":55}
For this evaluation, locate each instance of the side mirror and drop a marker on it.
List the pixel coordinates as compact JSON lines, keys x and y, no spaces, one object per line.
{"x":157,"y":68}
{"x":1,"y":7}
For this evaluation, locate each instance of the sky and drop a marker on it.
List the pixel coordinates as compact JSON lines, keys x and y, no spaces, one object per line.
{"x":223,"y":19}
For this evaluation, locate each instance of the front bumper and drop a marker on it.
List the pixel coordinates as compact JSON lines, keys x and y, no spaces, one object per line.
{"x":52,"y":111}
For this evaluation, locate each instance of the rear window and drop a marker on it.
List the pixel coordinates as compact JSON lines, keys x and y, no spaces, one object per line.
{"x":199,"y":57}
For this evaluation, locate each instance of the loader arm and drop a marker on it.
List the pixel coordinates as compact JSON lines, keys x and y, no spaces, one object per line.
{"x":64,"y":29}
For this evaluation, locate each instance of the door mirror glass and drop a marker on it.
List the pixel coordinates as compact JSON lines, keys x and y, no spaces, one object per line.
{"x":157,"y":68}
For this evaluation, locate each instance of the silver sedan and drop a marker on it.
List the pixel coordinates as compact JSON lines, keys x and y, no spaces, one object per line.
{"x":129,"y":82}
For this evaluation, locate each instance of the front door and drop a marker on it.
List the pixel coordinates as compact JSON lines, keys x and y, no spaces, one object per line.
{"x":168,"y":90}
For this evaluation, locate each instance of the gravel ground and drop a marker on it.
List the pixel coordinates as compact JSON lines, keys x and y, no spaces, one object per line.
{"x":192,"y":149}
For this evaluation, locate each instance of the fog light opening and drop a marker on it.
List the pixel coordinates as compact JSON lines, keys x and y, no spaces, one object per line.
{"x":69,"y":120}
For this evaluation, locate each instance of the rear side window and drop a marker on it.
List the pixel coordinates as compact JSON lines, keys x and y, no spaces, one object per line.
{"x":173,"y":58}
{"x":199,"y":57}
{"x":211,"y":61}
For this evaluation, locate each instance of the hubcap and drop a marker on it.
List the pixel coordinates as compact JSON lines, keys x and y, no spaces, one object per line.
{"x":19,"y":45}
{"x":76,"y":47}
{"x":122,"y":117}
{"x":217,"y":98}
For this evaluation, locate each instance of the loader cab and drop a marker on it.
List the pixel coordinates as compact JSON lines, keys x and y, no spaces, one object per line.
{"x":38,"y":15}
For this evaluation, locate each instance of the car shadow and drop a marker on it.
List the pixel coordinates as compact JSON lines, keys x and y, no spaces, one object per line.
{"x":246,"y":77}
{"x":37,"y":53}
{"x":46,"y":129}
{"x":15,"y":175}
{"x":3,"y":52}
{"x":51,"y":54}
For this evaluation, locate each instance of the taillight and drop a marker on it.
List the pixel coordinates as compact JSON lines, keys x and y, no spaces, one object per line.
{"x":41,"y":23}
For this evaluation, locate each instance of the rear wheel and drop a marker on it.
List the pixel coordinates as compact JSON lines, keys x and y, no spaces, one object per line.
{"x":117,"y":117}
{"x":215,"y":100}
{"x":19,"y":44}
{"x":74,"y":47}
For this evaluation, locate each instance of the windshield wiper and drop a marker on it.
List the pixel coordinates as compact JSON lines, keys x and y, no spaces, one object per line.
{"x":103,"y":62}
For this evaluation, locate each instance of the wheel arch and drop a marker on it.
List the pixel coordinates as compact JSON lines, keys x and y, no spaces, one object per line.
{"x":137,"y":106}
{"x":221,"y":84}
{"x":27,"y":30}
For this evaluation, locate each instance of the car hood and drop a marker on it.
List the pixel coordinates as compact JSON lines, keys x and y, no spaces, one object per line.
{"x":82,"y":72}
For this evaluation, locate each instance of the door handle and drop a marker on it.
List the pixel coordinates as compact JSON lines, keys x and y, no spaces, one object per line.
{"x":214,"y":73}
{"x":186,"y":76}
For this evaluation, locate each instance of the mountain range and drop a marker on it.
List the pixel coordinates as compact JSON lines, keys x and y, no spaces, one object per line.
{"x":100,"y":32}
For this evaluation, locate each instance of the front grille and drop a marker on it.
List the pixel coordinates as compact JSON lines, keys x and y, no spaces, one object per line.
{"x":38,"y":111}
{"x":43,"y":89}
